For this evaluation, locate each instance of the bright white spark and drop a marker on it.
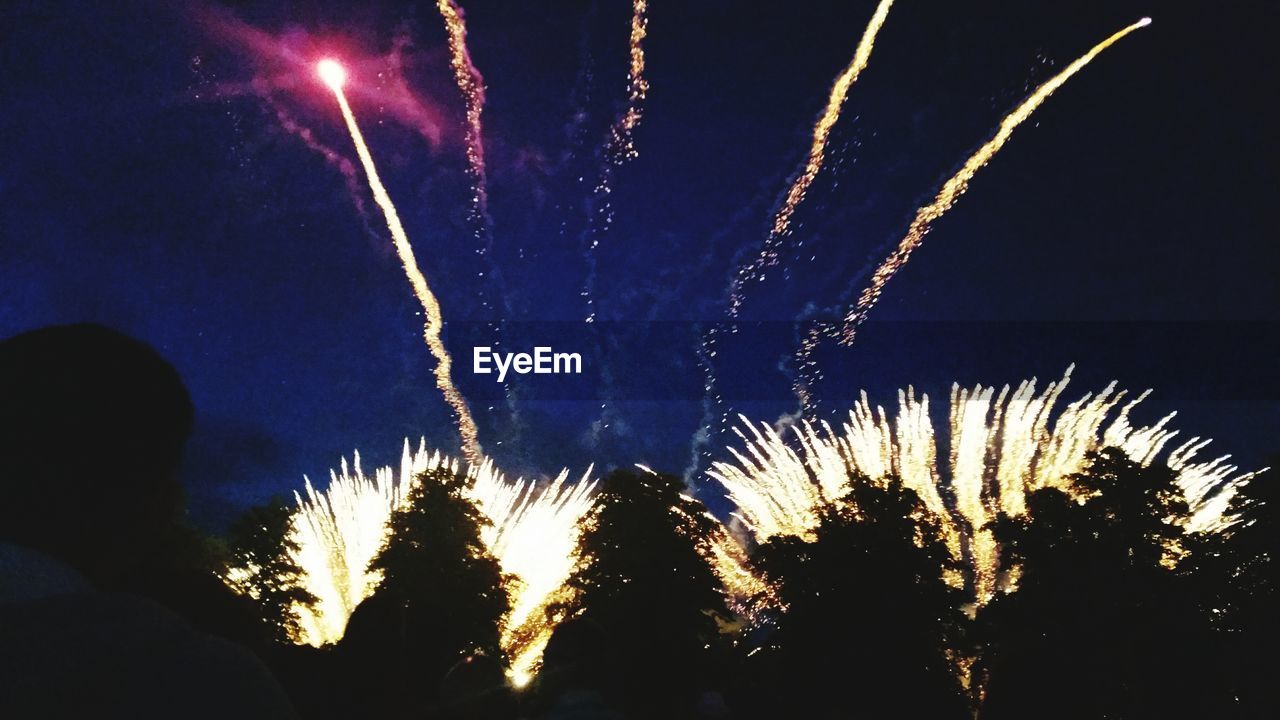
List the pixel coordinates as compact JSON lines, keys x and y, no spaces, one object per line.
{"x":332,"y":73}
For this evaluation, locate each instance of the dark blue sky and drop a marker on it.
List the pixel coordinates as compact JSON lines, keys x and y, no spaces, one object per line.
{"x":147,"y":182}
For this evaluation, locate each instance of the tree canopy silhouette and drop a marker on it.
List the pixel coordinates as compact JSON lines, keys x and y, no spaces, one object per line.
{"x":868,"y":619}
{"x":442,"y":598}
{"x":645,"y":585}
{"x":1238,"y":576}
{"x":1101,"y":625}
{"x":260,"y":543}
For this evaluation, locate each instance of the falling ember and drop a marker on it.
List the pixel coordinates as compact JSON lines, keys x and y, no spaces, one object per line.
{"x":532,"y":532}
{"x":959,"y":183}
{"x":335,"y":77}
{"x":1003,"y":447}
{"x":813,"y":165}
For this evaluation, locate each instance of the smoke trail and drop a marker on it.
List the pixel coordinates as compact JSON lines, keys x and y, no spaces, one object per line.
{"x":713,"y":410}
{"x":768,"y":255}
{"x":959,"y":183}
{"x":343,"y":165}
{"x":334,"y":76}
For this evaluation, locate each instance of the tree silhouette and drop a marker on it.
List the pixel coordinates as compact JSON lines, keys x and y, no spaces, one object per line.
{"x":645,"y":586}
{"x":868,"y":617}
{"x":442,"y":598}
{"x":261,"y":546}
{"x":1238,"y":581}
{"x":181,"y":569}
{"x":1099,"y":626}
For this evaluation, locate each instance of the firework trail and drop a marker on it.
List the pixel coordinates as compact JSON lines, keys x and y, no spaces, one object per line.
{"x":334,"y":76}
{"x":532,"y":532}
{"x":807,"y":372}
{"x":471,"y":85}
{"x":768,"y":255}
{"x":619,"y":148}
{"x":1003,"y":446}
{"x":621,"y":135}
{"x":959,"y":183}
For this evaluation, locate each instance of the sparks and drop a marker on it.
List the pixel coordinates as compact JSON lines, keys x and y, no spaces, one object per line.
{"x":534,"y":536}
{"x":780,"y":487}
{"x":471,"y":86}
{"x":959,"y":183}
{"x":338,"y":532}
{"x":768,"y":255}
{"x":334,"y":76}
{"x":622,"y":143}
{"x":619,"y":148}
{"x":532,"y":532}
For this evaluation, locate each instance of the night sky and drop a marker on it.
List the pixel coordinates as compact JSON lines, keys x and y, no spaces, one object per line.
{"x":152,"y":178}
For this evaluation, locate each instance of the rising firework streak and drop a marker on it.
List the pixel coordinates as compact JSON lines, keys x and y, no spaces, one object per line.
{"x":619,"y":148}
{"x":768,"y":255}
{"x":813,"y":165}
{"x":959,"y":183}
{"x":335,"y":77}
{"x":471,"y":85}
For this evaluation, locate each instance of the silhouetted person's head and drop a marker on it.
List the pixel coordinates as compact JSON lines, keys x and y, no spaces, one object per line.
{"x":92,"y":426}
{"x":576,"y":656}
{"x":476,"y":688}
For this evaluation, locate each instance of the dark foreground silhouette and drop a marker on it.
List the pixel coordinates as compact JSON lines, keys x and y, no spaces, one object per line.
{"x":92,"y":426}
{"x":110,"y":606}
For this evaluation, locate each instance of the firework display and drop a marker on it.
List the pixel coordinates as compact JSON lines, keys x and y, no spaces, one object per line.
{"x":1001,"y":446}
{"x":1003,"y":551}
{"x":532,"y":532}
{"x":333,"y":75}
